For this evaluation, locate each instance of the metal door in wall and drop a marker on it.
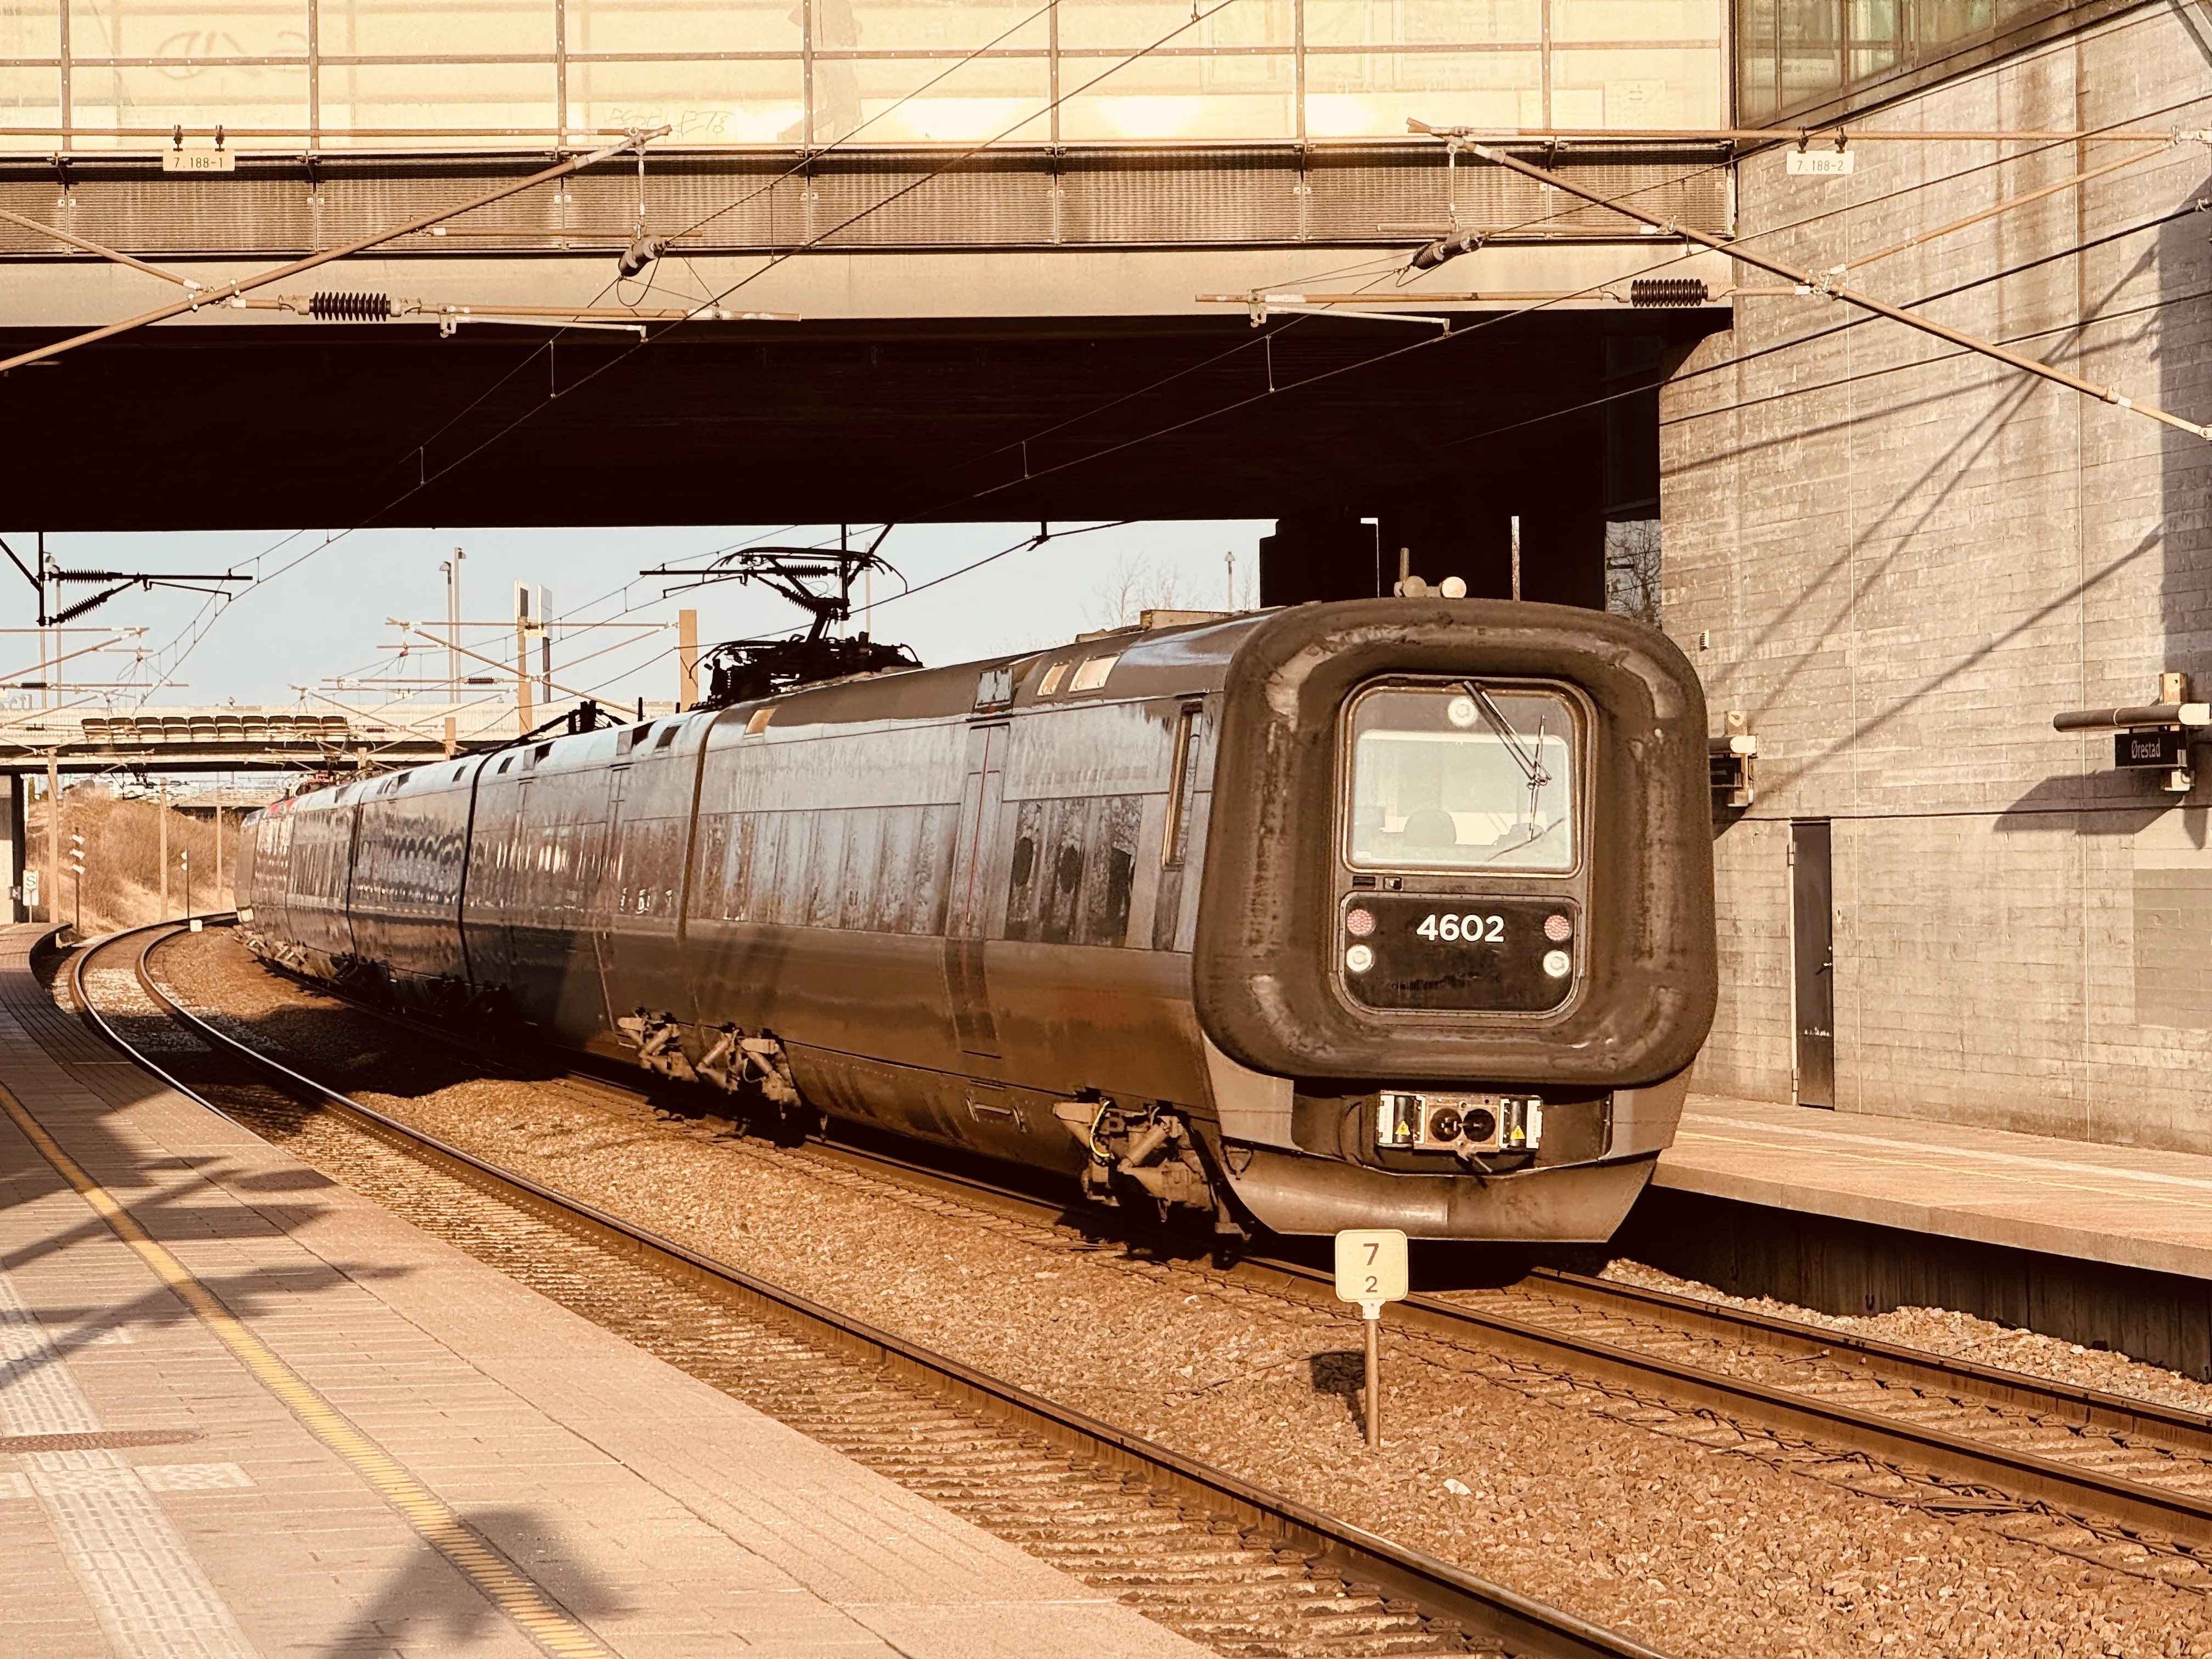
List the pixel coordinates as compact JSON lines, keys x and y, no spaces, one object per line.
{"x":1813,"y":964}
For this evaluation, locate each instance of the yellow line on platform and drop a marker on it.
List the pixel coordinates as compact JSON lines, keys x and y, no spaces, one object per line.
{"x":536,"y":1613}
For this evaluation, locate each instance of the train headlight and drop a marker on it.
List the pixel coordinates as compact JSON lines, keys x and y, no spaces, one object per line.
{"x":1558,"y":964}
{"x":1461,"y":712}
{"x":1358,"y":959}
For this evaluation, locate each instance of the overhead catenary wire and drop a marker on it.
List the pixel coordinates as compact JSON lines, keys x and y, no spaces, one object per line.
{"x":391,"y":659}
{"x":87,"y":244}
{"x":1549,"y":300}
{"x":1826,"y":283}
{"x":1264,"y":341}
{"x":2050,"y":137}
{"x":812,"y":157}
{"x":198,"y":630}
{"x":1465,"y":332}
{"x":1045,"y":535}
{"x":222,"y":292}
{"x":1249,"y":343}
{"x":1857,"y":376}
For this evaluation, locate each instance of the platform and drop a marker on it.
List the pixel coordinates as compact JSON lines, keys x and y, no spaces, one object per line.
{"x":2125,"y":1206}
{"x":392,"y":1449}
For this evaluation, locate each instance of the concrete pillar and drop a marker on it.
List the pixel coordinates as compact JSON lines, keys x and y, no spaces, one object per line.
{"x":1321,"y":555}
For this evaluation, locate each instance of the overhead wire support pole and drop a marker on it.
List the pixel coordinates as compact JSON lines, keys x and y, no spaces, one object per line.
{"x":1824,"y":283}
{"x":85,"y":244}
{"x":479,"y":656}
{"x":2071,"y":182}
{"x":223,"y":292}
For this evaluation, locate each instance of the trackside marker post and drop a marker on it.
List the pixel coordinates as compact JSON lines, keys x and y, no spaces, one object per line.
{"x":1370,"y":1270}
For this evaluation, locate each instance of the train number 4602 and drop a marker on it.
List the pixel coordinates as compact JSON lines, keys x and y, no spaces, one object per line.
{"x":1468,"y":930}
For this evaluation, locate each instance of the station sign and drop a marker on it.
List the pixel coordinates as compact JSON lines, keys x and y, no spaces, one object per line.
{"x":1372,"y":1267}
{"x":2157,"y":746}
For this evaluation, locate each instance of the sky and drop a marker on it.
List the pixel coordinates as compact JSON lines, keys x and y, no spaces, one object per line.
{"x":325,"y":602}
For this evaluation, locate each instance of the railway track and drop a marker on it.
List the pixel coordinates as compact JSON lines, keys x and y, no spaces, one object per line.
{"x":2133,"y":1478}
{"x":1905,"y":1426}
{"x":2124,"y":1482}
{"x":1230,"y":1564}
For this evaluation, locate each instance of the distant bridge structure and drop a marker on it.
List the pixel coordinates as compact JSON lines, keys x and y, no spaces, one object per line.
{"x":230,"y":738}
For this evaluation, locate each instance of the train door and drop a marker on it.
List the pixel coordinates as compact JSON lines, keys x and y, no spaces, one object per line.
{"x":1812,"y":963}
{"x":516,"y":896}
{"x":967,"y":910}
{"x":601,"y":922}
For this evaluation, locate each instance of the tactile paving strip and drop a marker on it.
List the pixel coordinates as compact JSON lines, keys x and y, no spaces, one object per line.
{"x":150,"y":1595}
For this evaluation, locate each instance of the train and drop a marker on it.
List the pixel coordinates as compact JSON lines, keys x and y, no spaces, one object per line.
{"x":1388,"y":912}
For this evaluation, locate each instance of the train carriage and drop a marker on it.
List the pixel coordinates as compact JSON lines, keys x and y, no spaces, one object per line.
{"x":1388,"y":912}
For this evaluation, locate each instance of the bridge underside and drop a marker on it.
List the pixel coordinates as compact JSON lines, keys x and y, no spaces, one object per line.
{"x":211,"y":427}
{"x":1059,"y":365}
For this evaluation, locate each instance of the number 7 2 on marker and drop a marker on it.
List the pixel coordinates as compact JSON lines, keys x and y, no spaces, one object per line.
{"x":1370,"y":1265}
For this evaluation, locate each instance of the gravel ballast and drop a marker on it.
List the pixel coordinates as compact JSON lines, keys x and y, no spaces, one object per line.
{"x":1554,"y":1489}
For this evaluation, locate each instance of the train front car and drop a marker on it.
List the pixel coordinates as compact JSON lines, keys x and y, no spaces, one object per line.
{"x":1454,"y":950}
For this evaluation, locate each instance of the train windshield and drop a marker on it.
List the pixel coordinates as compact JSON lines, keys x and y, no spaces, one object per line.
{"x":1462,"y":777}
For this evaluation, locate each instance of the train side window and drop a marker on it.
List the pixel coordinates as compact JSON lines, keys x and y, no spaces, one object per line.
{"x":664,"y":739}
{"x":758,"y":723}
{"x":1174,"y":845}
{"x":1093,"y":673}
{"x":1053,"y":677}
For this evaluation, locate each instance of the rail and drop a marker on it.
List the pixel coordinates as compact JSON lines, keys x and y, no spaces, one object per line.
{"x":1524,"y":1625}
{"x":2073,"y":1489}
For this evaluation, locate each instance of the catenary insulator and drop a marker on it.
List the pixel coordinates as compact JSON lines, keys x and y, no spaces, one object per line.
{"x":350,"y":307}
{"x":1667,"y":291}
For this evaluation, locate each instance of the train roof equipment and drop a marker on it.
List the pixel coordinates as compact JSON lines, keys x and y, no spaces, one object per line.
{"x":744,"y":671}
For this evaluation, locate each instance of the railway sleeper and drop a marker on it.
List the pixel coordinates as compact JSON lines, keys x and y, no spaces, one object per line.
{"x":1138,"y":1577}
{"x":1305,"y":1628}
{"x":1107,"y":1543}
{"x":1078,"y":1533}
{"x":1235,"y":1632}
{"x":977,"y":1459}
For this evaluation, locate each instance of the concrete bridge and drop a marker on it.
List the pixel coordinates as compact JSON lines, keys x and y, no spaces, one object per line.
{"x":982,"y":236}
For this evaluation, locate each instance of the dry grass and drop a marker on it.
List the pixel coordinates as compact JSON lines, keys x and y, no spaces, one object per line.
{"x":122,"y":859}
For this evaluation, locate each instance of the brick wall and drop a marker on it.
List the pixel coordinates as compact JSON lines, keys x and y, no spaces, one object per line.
{"x":1902,"y":560}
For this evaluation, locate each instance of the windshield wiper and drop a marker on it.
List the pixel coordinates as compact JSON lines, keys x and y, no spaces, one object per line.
{"x":1531,"y":762}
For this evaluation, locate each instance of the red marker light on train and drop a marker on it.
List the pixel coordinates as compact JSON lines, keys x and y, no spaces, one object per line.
{"x":1359,"y":923}
{"x":1557,"y":928}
